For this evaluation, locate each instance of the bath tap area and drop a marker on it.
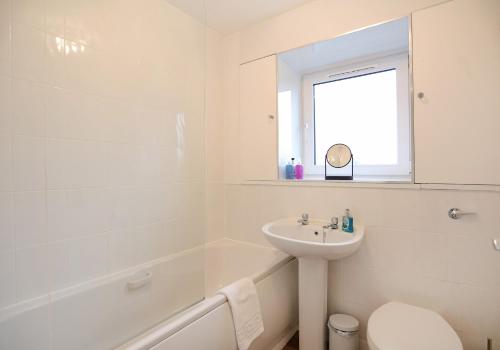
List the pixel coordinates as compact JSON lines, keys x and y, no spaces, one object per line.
{"x":249,"y":175}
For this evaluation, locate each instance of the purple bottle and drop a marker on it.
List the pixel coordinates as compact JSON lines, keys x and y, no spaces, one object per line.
{"x":299,"y":171}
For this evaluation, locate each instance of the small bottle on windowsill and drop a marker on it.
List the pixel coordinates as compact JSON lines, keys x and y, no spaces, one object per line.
{"x":290,"y":170}
{"x":299,"y":171}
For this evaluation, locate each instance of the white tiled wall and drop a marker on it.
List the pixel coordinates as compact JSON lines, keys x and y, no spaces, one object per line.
{"x":412,"y":251}
{"x":101,"y":140}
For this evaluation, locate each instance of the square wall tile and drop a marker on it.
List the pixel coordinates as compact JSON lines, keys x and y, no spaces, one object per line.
{"x":28,"y":53}
{"x":87,"y":258}
{"x":54,"y":16}
{"x":30,"y":224}
{"x":32,"y":272}
{"x":430,"y":255}
{"x":28,"y":108}
{"x":476,"y":309}
{"x":118,"y":120}
{"x":77,"y":260}
{"x":7,"y":276}
{"x":58,"y":266}
{"x":6,"y":221}
{"x":5,"y":37}
{"x":83,"y":67}
{"x":149,"y":165}
{"x":387,"y":249}
{"x":366,"y":255}
{"x":64,"y":114}
{"x":122,"y":250}
{"x":125,"y":212}
{"x":5,"y":162}
{"x":123,"y":164}
{"x":215,"y":205}
{"x":363,"y":286}
{"x":78,"y":213}
{"x":190,"y":199}
{"x":75,"y":164}
{"x":383,"y":206}
{"x":471,"y":260}
{"x":29,"y":163}
{"x":76,"y":115}
{"x":29,"y":13}
{"x":5,"y":104}
{"x":55,"y":60}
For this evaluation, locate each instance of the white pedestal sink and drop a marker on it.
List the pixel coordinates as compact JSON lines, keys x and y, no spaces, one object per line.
{"x":313,"y":245}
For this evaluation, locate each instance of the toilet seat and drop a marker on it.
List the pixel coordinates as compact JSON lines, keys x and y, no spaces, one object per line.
{"x":399,"y":326}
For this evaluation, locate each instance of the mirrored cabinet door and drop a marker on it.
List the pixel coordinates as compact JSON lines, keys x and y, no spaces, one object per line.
{"x":456,"y":66}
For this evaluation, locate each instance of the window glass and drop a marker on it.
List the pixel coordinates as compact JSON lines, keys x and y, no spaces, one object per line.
{"x":360,"y":112}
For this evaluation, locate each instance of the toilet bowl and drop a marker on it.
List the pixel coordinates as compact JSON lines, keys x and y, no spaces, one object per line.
{"x":399,"y":326}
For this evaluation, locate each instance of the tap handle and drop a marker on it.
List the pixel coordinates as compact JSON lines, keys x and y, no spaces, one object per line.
{"x":305,"y":216}
{"x":455,"y":213}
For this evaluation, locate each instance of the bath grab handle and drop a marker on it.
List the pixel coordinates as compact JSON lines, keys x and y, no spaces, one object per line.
{"x":455,"y":213}
{"x":140,"y":281}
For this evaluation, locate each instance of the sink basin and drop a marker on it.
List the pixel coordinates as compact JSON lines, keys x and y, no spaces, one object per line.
{"x":312,"y":240}
{"x":313,"y":245}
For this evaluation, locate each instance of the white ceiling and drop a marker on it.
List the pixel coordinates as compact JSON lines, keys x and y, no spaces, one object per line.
{"x":227,"y":16}
{"x":387,"y":37}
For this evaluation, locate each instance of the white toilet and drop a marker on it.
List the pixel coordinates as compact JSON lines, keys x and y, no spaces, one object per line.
{"x":399,"y":326}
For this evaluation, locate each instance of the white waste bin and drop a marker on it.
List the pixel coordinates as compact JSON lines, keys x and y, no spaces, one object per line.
{"x":344,"y":332}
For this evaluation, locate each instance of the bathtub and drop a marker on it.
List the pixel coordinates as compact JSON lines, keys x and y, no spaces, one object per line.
{"x":105,"y":313}
{"x":208,"y":324}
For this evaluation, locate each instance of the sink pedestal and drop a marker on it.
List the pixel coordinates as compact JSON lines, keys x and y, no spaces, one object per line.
{"x":314,"y":244}
{"x":313,"y":282}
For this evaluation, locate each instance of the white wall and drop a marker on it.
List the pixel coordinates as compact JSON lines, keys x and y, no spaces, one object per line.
{"x":102,"y":162}
{"x":412,"y":252}
{"x":320,"y":20}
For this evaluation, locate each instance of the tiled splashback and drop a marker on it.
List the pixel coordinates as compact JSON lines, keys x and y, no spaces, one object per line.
{"x":101,"y":139}
{"x":412,"y":251}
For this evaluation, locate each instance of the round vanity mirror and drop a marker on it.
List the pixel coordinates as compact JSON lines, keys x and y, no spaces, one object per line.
{"x":339,"y":155}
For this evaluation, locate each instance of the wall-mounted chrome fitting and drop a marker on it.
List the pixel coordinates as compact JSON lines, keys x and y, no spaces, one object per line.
{"x":496,"y":244}
{"x":455,"y":213}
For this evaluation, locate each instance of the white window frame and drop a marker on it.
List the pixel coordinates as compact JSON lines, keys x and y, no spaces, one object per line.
{"x":395,"y":60}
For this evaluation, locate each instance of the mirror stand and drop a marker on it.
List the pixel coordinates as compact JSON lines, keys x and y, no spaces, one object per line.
{"x":340,"y":177}
{"x":339,"y":156}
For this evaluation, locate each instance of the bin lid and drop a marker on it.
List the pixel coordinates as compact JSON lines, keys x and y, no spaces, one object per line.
{"x":343,"y":322}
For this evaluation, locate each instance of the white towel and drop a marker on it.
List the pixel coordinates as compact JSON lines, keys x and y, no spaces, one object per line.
{"x":245,"y":307}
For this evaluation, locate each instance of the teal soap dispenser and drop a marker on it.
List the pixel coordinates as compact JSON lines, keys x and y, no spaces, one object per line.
{"x":347,"y":222}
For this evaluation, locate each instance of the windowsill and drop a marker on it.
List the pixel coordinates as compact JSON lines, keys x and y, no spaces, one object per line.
{"x":360,"y":179}
{"x":370,"y":182}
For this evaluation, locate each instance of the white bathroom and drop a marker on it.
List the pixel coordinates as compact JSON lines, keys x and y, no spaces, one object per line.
{"x":262,"y":175}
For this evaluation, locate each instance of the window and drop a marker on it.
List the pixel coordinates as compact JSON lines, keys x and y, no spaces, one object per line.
{"x":365,"y":106}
